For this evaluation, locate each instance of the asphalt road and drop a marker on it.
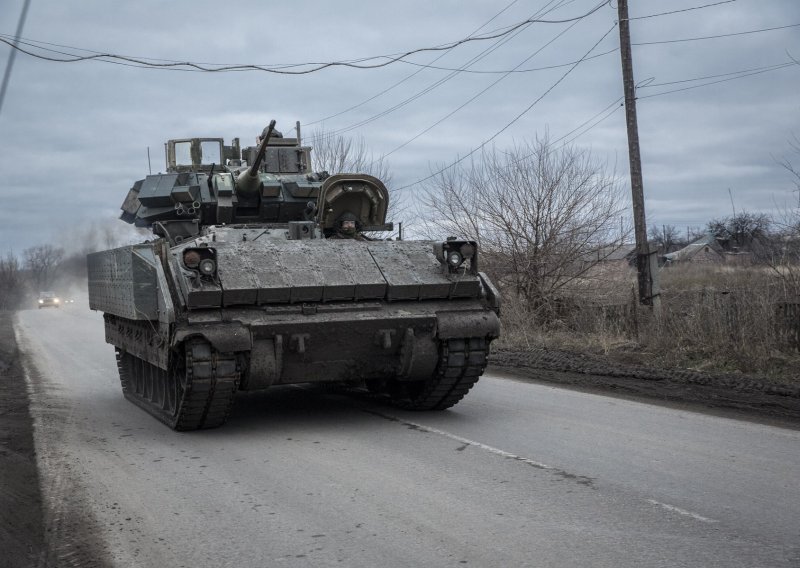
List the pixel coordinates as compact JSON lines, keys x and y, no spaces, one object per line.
{"x":517,"y":474}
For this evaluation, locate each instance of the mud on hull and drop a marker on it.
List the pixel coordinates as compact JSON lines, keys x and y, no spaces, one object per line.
{"x":423,"y":355}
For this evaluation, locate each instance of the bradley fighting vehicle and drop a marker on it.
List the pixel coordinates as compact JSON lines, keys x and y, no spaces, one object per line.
{"x":263,"y":273}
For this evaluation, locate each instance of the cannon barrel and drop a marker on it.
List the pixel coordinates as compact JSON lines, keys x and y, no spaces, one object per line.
{"x":248,"y":181}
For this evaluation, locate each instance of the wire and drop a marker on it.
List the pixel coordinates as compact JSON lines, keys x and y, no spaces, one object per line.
{"x":516,"y":118}
{"x":471,"y":99}
{"x":766,"y":70}
{"x":609,"y":110}
{"x":503,"y":71}
{"x":314,"y":67}
{"x":716,"y":36}
{"x":438,"y":82}
{"x":406,"y":78}
{"x":755,"y":69}
{"x":684,"y":10}
{"x":38,"y":45}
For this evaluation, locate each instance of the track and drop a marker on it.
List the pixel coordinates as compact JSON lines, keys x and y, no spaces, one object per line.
{"x":461,"y":363}
{"x":197,"y":393}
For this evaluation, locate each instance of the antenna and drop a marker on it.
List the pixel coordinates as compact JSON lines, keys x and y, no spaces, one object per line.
{"x":732,"y":205}
{"x":149,"y":168}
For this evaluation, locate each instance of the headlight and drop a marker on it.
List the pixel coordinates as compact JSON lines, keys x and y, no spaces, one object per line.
{"x":207,"y":267}
{"x":41,"y":301}
{"x":454,"y":259}
{"x":191,"y":258}
{"x":55,"y":300}
{"x":457,"y":255}
{"x":202,"y":259}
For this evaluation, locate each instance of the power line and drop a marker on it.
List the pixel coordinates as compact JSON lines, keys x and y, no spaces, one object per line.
{"x":314,"y":67}
{"x":497,"y":72}
{"x":741,"y":76}
{"x":764,"y":68}
{"x":609,"y":111}
{"x":443,"y":80}
{"x":407,"y":77}
{"x":683,"y":10}
{"x":471,"y":99}
{"x":503,"y":71}
{"x":716,"y":36}
{"x":516,"y":118}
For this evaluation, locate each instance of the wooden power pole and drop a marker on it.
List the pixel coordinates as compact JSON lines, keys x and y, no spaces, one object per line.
{"x":646,"y":264}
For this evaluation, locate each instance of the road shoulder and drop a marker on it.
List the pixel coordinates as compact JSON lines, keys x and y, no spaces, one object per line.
{"x":21,"y":513}
{"x":732,"y":395}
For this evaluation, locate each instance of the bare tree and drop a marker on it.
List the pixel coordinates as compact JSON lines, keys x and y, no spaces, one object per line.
{"x":42,"y":261}
{"x":665,"y":237}
{"x":543,"y":216}
{"x":786,"y":249}
{"x":793,"y":169}
{"x":335,"y":154}
{"x":744,"y":229}
{"x":12,"y":283}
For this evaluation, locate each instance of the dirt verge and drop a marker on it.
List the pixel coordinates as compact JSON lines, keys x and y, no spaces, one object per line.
{"x":751,"y":396}
{"x":22,"y":540}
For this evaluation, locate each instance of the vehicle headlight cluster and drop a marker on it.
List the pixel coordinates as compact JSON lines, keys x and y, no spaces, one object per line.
{"x":453,"y":253}
{"x":201,"y":259}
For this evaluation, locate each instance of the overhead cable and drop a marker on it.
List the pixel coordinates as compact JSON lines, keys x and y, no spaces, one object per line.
{"x":516,"y":118}
{"x":440,"y":81}
{"x":313,"y":67}
{"x":407,"y":77}
{"x":481,"y":92}
{"x":741,"y":76}
{"x":716,"y":36}
{"x":504,"y":71}
{"x":683,"y":10}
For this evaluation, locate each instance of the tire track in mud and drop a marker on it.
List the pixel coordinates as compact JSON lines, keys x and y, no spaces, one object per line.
{"x":749,"y":395}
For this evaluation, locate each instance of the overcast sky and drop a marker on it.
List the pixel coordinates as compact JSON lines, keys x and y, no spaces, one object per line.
{"x":74,"y":136}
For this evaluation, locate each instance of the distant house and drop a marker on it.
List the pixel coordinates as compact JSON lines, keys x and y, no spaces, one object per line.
{"x":704,"y":250}
{"x":611,"y":254}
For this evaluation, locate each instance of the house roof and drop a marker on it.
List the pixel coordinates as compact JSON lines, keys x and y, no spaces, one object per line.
{"x":689,"y":251}
{"x":609,"y":252}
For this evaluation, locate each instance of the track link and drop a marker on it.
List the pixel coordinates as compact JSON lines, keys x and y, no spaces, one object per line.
{"x":461,"y":363}
{"x":197,"y":392}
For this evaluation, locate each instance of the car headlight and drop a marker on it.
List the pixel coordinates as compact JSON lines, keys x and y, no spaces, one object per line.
{"x":41,"y":301}
{"x":55,"y":300}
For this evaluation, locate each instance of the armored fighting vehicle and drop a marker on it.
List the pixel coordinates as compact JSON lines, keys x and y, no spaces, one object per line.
{"x":264,"y":273}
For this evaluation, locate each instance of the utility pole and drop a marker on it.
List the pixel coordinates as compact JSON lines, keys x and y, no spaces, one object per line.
{"x":646,"y":264}
{"x":13,"y":53}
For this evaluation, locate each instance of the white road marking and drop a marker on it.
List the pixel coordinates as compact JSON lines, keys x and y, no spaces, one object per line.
{"x":680,"y":511}
{"x":467,"y":441}
{"x":580,"y":479}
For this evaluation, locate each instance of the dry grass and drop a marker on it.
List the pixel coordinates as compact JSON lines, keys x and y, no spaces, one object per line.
{"x":713,"y":318}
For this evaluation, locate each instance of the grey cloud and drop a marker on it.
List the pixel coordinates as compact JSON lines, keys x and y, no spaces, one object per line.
{"x":73,"y":137}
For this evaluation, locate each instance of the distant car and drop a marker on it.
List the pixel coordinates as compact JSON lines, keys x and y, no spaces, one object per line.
{"x":49,"y":300}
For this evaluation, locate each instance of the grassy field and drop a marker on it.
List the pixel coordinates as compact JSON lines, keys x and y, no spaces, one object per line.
{"x":714,"y":318}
